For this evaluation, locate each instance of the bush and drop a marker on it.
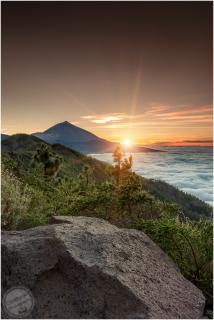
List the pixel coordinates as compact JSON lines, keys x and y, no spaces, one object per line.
{"x":189,"y":244}
{"x":22,"y":206}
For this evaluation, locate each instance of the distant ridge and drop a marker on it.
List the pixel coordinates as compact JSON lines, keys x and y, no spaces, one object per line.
{"x":81,"y":140}
{"x":4,"y":136}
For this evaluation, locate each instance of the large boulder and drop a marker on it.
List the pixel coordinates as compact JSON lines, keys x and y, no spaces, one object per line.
{"x":83,"y":267}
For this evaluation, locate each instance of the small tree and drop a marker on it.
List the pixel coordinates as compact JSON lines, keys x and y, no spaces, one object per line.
{"x":122,"y":165}
{"x":86,"y":175}
{"x":129,"y":195}
{"x":50,"y":162}
{"x":121,"y":170}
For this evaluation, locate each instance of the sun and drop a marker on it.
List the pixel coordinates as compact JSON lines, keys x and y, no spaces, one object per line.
{"x":127,"y":143}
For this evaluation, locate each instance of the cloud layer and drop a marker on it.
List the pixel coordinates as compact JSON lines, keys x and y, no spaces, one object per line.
{"x":189,"y":169}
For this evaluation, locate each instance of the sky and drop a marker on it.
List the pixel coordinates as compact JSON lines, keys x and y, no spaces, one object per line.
{"x":123,"y":70}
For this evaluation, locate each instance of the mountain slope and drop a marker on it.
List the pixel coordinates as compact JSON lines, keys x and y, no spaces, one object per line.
{"x":189,"y":204}
{"x":81,"y":140}
{"x":68,"y":132}
{"x":21,"y":148}
{"x":4,"y":136}
{"x":18,"y":143}
{"x":74,"y":137}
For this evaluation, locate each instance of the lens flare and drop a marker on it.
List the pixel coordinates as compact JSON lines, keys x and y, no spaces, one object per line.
{"x":127,"y":143}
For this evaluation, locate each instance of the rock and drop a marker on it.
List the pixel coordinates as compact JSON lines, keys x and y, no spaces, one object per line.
{"x":84,"y":267}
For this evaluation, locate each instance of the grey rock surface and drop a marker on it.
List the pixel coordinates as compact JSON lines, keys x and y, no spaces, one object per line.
{"x":82,"y":267}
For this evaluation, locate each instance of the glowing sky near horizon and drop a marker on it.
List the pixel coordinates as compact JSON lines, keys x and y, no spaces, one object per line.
{"x":137,"y":71}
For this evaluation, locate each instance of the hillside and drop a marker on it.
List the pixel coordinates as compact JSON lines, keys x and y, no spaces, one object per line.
{"x":21,"y":148}
{"x":189,"y":204}
{"x":81,"y":140}
{"x":4,"y":136}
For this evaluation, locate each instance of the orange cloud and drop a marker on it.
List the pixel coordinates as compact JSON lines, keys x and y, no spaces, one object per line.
{"x":104,"y":118}
{"x":110,"y":117}
{"x":203,"y":143}
{"x":202,"y":111}
{"x":156,"y":116}
{"x":180,"y":110}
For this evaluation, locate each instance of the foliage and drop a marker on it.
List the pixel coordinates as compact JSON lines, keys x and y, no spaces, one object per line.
{"x":22,"y":206}
{"x":49,"y":161}
{"x":8,"y":162}
{"x":80,"y":194}
{"x":189,"y":244}
{"x":193,"y":207}
{"x":122,"y":165}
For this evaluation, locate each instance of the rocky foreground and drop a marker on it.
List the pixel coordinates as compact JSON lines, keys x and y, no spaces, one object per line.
{"x":82,"y":267}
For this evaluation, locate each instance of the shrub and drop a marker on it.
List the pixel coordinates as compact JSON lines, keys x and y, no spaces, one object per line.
{"x":189,"y":244}
{"x":22,"y":206}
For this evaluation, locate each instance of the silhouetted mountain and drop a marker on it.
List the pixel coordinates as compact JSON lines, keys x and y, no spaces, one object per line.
{"x":4,"y":136}
{"x":81,"y":140}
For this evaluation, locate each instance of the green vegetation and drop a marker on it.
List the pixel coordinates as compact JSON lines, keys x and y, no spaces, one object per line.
{"x":190,"y":205}
{"x":39,"y":181}
{"x":190,"y":245}
{"x":21,"y":148}
{"x":118,"y":198}
{"x":49,"y":161}
{"x":22,"y":205}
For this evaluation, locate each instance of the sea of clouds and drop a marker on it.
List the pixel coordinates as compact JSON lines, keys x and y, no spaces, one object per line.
{"x":188,"y":168}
